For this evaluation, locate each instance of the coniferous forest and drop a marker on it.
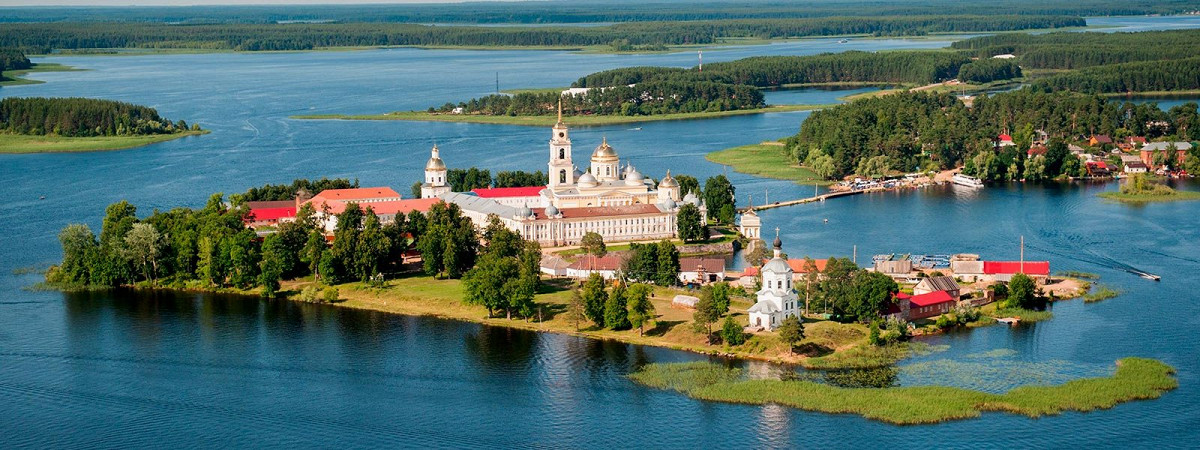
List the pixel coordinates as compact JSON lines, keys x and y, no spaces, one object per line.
{"x":82,"y":117}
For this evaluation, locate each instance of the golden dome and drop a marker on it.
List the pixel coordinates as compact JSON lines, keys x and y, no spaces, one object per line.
{"x":604,"y":151}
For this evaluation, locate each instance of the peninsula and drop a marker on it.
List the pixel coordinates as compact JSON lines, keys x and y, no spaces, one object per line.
{"x":82,"y":125}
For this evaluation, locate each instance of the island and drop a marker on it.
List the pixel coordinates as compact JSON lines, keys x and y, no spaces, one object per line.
{"x":14,"y":66}
{"x":82,"y":125}
{"x":1139,"y":188}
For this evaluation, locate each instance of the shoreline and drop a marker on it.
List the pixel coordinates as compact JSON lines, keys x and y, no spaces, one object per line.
{"x":549,"y":120}
{"x":20,"y":144}
{"x":19,"y":77}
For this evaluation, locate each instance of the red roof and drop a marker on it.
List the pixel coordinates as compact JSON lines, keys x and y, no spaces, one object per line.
{"x":1137,"y":140}
{"x":529,"y":191}
{"x":930,"y":299}
{"x":1005,"y":137}
{"x":1038,"y":150}
{"x":1012,"y":267}
{"x":796,"y":264}
{"x":270,"y":213}
{"x":600,"y":211}
{"x":590,"y":262}
{"x":358,"y":193}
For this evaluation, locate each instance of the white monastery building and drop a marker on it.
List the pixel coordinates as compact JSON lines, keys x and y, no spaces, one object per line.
{"x":611,"y":199}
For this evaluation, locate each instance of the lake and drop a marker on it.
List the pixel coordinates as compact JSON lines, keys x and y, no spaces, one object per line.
{"x":143,"y":369}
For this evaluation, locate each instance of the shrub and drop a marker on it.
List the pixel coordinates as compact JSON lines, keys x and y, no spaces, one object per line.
{"x":732,"y":333}
{"x":311,"y":294}
{"x":330,"y":294}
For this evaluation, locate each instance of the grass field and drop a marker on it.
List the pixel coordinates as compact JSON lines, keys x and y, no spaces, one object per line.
{"x":546,"y":121}
{"x":18,"y":143}
{"x":768,"y":159}
{"x":672,"y":328}
{"x":17,"y":77}
{"x":1134,"y":379}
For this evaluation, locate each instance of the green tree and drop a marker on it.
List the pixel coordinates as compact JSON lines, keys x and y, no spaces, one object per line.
{"x":373,"y":247}
{"x":80,"y":250}
{"x":1022,"y":292}
{"x":732,"y":333}
{"x":688,"y":183}
{"x":616,"y":312}
{"x":270,"y":269}
{"x":668,"y":264}
{"x":641,"y":310}
{"x":718,"y":293}
{"x":791,"y":331}
{"x":575,"y":309}
{"x":719,"y":193}
{"x":872,"y":293}
{"x":755,"y":253}
{"x":688,"y":223}
{"x":594,"y":299}
{"x":143,"y":246}
{"x":314,"y":249}
{"x":592,"y":243}
{"x":707,"y":313}
{"x":485,"y":284}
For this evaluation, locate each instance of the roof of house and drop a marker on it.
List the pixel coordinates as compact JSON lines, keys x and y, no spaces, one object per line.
{"x":930,"y":299}
{"x":797,"y":266}
{"x":590,"y":262}
{"x":358,"y":193}
{"x":939,"y":284}
{"x":1136,"y":139}
{"x":480,"y":205}
{"x":1005,"y":137}
{"x":1102,"y":138}
{"x":1037,"y":150}
{"x":529,"y":191}
{"x":271,"y":213}
{"x":1012,"y":267}
{"x":1160,"y":146}
{"x":554,"y":262}
{"x":710,"y":265}
{"x":763,"y":306}
{"x":271,"y":204}
{"x":387,"y":207}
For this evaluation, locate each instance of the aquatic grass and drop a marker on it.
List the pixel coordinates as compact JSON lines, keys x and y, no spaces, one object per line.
{"x":1076,"y":274}
{"x":861,"y":357}
{"x":1134,"y":379}
{"x":1026,"y":315}
{"x":1102,"y":293}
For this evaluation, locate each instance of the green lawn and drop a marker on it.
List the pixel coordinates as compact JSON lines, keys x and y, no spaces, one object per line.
{"x":17,"y":77}
{"x":766,"y":160}
{"x":1134,"y":379}
{"x":18,"y":143}
{"x":546,"y":121}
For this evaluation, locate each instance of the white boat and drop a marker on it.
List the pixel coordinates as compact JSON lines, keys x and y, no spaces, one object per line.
{"x":966,"y":180}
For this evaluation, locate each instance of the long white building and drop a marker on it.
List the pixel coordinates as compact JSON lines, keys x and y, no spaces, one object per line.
{"x":616,"y":201}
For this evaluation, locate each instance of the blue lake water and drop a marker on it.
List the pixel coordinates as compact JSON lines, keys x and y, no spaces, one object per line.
{"x":138,"y":370}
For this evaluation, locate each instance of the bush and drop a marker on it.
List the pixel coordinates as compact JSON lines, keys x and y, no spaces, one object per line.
{"x":732,"y":333}
{"x":311,"y":294}
{"x":873,"y":337}
{"x":330,"y":294}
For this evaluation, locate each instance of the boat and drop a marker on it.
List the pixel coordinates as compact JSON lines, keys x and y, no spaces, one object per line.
{"x":843,"y":41}
{"x":966,"y":180}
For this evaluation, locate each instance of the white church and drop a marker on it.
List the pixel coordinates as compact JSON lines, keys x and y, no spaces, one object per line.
{"x":777,"y":299}
{"x":611,"y":199}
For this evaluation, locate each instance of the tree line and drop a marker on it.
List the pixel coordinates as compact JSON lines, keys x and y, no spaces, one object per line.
{"x":915,"y":130}
{"x":13,"y":59}
{"x":464,"y":180}
{"x":82,"y":117}
{"x":654,"y":97}
{"x":988,"y":70}
{"x":529,"y":12}
{"x":46,"y":36}
{"x":1065,"y":50}
{"x":278,"y":192}
{"x":1145,"y":76}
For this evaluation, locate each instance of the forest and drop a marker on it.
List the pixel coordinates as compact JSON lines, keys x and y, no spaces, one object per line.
{"x":536,"y":12}
{"x":1079,"y":50}
{"x":83,"y":117}
{"x":916,"y":130}
{"x":654,"y":97}
{"x":45,"y":37}
{"x":1145,"y":76}
{"x":13,"y":59}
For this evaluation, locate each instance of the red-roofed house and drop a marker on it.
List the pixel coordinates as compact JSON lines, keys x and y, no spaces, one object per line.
{"x":1004,"y":140}
{"x":607,"y":266}
{"x":514,"y":196}
{"x":923,"y":306}
{"x":269,"y":217}
{"x":701,"y":270}
{"x":1004,"y":270}
{"x":384,"y":201}
{"x":1099,"y":139}
{"x":1037,"y":150}
{"x":1137,"y":140}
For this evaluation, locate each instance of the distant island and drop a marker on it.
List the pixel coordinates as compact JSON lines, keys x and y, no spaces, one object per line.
{"x":44,"y":125}
{"x":14,"y":66}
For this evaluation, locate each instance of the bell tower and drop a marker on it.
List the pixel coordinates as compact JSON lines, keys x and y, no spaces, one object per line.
{"x":561,"y":171}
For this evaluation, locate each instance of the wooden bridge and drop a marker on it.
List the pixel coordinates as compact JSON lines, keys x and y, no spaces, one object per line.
{"x":817,"y":198}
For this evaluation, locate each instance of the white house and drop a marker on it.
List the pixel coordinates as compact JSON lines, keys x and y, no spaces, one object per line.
{"x":585,"y":266}
{"x":554,"y":266}
{"x":777,"y":299}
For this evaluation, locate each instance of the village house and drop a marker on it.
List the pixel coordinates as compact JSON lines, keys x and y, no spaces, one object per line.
{"x":1099,"y":139}
{"x":1149,"y":152}
{"x":701,"y":270}
{"x":934,"y":284}
{"x":922,"y":306}
{"x":1004,"y":140}
{"x":607,"y":266}
{"x":554,"y":265}
{"x":269,"y":213}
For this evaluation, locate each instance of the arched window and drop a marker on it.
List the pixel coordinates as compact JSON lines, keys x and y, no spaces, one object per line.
{"x":562,"y":176}
{"x":562,"y":153}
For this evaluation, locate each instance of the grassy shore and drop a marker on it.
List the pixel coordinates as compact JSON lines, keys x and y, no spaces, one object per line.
{"x":1102,"y":293}
{"x":768,"y":159}
{"x":546,"y":121}
{"x":421,"y":295}
{"x":1134,"y":379}
{"x":1174,"y":196}
{"x":17,"y":77}
{"x":19,"y":143}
